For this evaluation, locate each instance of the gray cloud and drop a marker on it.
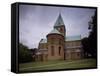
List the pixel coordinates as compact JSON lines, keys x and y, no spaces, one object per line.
{"x":35,"y":22}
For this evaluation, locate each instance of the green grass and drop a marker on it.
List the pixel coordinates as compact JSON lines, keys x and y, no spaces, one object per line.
{"x":52,"y":65}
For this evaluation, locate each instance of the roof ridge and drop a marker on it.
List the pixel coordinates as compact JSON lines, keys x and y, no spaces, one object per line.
{"x":55,"y":31}
{"x":43,"y":41}
{"x":71,"y":38}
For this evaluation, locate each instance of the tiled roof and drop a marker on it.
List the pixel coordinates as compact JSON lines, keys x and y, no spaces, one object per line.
{"x":55,"y":31}
{"x":43,"y":41}
{"x":59,"y":21}
{"x":72,"y":38}
{"x":69,"y":38}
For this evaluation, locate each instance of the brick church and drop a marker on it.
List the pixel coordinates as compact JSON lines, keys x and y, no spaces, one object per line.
{"x":58,"y":46}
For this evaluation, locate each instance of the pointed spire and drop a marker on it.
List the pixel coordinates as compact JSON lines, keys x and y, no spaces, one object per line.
{"x":59,"y":21}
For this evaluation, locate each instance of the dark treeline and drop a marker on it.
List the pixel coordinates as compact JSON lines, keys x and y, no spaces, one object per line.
{"x":25,"y":54}
{"x":90,"y":43}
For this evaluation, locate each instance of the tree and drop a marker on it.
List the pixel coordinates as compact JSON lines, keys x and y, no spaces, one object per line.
{"x":93,"y":35}
{"x":24,"y":54}
{"x":90,"y":43}
{"x":33,"y":53}
{"x":85,"y":44}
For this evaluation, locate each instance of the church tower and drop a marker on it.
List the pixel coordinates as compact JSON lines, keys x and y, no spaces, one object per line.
{"x":56,"y":40}
{"x":60,"y":26}
{"x":55,"y":43}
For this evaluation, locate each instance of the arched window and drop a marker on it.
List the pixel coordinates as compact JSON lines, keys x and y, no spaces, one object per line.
{"x":52,"y":50}
{"x":59,"y":50}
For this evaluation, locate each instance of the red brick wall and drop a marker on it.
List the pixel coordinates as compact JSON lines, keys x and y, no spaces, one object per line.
{"x":56,"y":41}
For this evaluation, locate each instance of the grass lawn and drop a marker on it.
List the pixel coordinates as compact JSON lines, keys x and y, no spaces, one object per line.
{"x":52,"y":65}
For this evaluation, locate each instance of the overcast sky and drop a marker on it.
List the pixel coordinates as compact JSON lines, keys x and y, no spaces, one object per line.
{"x":35,"y":22}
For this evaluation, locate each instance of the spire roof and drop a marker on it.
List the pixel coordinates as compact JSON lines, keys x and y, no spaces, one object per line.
{"x":59,"y":21}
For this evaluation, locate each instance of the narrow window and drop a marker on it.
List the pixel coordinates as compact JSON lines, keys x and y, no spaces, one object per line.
{"x":52,"y":50}
{"x":59,"y":50}
{"x":61,"y":29}
{"x":59,"y":41}
{"x":78,"y":54}
{"x":52,"y":40}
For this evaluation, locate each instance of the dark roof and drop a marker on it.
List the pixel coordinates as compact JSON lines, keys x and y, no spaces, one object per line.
{"x":43,"y":41}
{"x":59,"y":21}
{"x":55,"y":31}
